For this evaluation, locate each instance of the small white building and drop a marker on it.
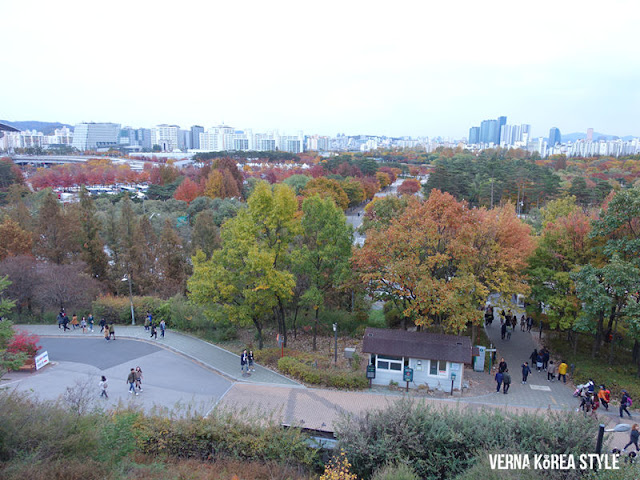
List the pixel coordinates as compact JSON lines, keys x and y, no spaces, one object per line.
{"x":435,"y":359}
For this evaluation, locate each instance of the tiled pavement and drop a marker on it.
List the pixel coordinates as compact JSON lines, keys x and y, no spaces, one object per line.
{"x":208,"y":355}
{"x":293,"y":404}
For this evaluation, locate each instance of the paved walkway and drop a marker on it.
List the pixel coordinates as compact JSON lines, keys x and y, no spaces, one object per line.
{"x":204,"y":353}
{"x":538,"y":391}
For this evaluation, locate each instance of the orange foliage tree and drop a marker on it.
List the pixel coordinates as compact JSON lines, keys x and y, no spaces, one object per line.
{"x":187,"y":191}
{"x":327,"y":187}
{"x":440,"y":260}
{"x":13,"y":239}
{"x":409,"y":187}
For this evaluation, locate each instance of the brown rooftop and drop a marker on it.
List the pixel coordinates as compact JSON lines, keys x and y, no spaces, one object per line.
{"x":428,"y":346}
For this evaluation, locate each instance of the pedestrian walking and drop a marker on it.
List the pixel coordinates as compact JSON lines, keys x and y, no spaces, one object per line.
{"x":154,"y":331}
{"x":138,"y":377}
{"x":148,"y":321}
{"x":499,"y":378}
{"x":625,"y":402}
{"x":523,"y":323}
{"x":595,"y":404}
{"x":107,"y":335}
{"x":244,"y":362}
{"x":60,"y":319}
{"x":514,"y":322}
{"x":503,"y":329}
{"x":545,"y":358}
{"x":604,"y":394}
{"x":112,"y":331}
{"x":502,"y":366}
{"x":509,"y":331}
{"x":526,"y":370}
{"x":102,"y":323}
{"x":539,"y":362}
{"x":529,"y":323}
{"x":250,"y":359}
{"x":90,"y":322}
{"x":633,"y":438}
{"x":74,"y":321}
{"x":162,"y":328}
{"x":83,"y":325}
{"x":551,"y":371}
{"x":65,"y":322}
{"x":533,"y":357}
{"x":103,"y":387}
{"x":562,"y":371}
{"x":131,"y":380}
{"x":506,"y":380}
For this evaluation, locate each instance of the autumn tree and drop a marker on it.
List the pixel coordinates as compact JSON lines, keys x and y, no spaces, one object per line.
{"x":187,"y":191}
{"x":229,"y":165}
{"x":65,"y":286}
{"x":324,"y":252}
{"x":354,"y":190}
{"x":93,"y":253}
{"x":248,"y":277}
{"x":13,"y":239}
{"x":440,"y":260}
{"x":22,"y":272}
{"x":327,"y":187}
{"x":383,"y":179}
{"x":409,"y":186}
{"x":382,"y":210}
{"x":172,"y":265}
{"x":297,"y":182}
{"x":56,"y":235}
{"x":221,"y":184}
{"x":206,"y":234}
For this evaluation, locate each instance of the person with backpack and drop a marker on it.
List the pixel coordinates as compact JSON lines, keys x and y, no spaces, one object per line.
{"x":625,"y":402}
{"x":604,"y":394}
{"x":506,"y":381}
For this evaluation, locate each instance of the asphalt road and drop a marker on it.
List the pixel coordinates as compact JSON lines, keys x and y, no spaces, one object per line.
{"x":170,"y":381}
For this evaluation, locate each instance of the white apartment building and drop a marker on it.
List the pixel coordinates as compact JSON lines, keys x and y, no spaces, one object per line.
{"x":91,"y":136}
{"x":166,"y":137}
{"x":24,"y":139}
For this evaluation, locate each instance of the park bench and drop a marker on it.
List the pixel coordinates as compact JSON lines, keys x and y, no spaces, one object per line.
{"x":29,"y":365}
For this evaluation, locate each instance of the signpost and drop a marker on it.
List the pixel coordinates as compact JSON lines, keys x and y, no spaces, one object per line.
{"x":371,"y":373}
{"x":407,"y":376}
{"x":41,"y":360}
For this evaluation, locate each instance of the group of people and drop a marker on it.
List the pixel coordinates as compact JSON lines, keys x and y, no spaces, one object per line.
{"x":590,"y":401}
{"x":84,"y":324}
{"x":503,"y":378}
{"x":109,"y":330}
{"x":134,"y":379}
{"x":246,"y":362}
{"x":541,"y":361}
{"x":150,"y":326}
{"x":508,"y":322}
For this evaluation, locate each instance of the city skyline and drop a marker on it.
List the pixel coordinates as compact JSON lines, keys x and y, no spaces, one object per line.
{"x":357,"y":68}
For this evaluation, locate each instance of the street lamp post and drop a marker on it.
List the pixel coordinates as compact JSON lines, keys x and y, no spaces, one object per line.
{"x":127,"y":278}
{"x":335,"y":350}
{"x":621,"y":427}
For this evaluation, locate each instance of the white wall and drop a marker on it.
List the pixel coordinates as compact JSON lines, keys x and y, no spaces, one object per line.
{"x":421,"y":375}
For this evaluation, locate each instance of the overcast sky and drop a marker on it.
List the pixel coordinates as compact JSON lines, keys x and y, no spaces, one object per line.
{"x":358,"y":67}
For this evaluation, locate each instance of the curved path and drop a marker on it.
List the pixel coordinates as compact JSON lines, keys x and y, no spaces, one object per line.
{"x":182,"y":371}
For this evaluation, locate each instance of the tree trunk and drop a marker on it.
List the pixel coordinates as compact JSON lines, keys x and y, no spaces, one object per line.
{"x":635,"y":351}
{"x":613,"y":341}
{"x":258,"y":326}
{"x":474,"y":333}
{"x":315,"y":330}
{"x":295,"y":318}
{"x":575,"y":343}
{"x":599,"y":334}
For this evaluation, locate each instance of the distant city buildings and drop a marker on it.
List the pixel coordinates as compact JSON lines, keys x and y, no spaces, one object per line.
{"x":93,"y":136}
{"x":554,"y":136}
{"x":170,"y":139}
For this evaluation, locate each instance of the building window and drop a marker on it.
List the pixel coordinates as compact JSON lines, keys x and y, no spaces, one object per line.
{"x":437,"y":367}
{"x":389,"y":363}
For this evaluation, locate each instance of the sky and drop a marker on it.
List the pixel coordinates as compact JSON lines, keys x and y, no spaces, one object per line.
{"x":418,"y":68}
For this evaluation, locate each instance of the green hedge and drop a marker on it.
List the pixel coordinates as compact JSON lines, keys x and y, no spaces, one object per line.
{"x":300,"y":370}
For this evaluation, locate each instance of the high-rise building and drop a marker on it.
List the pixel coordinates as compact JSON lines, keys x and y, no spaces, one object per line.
{"x":554,"y":136}
{"x":165,"y":136}
{"x":196,"y":130}
{"x":502,"y":121}
{"x":90,"y":136}
{"x":474,"y":135}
